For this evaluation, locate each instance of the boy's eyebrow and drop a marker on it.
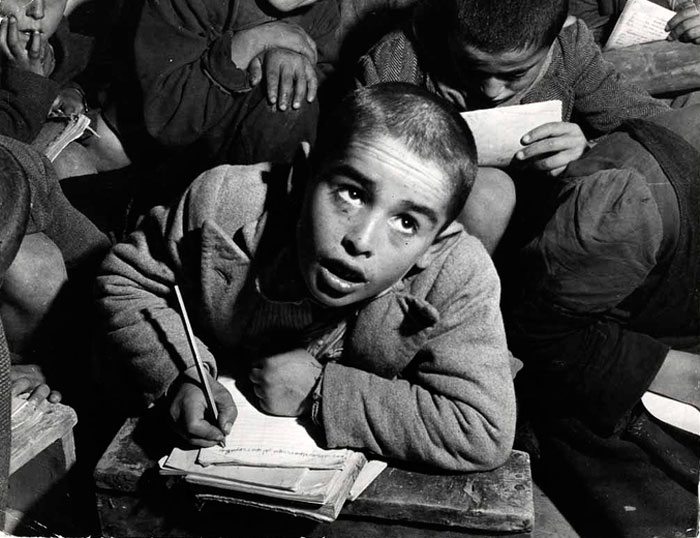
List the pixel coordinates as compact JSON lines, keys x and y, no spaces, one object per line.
{"x":370,"y":185}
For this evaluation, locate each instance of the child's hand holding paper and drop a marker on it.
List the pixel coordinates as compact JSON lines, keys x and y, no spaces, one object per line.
{"x":685,"y":25}
{"x":551,"y":147}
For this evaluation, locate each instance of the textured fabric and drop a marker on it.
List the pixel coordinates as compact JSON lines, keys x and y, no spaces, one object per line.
{"x":593,"y":94}
{"x":424,"y":375}
{"x":5,"y":427}
{"x":193,"y":92}
{"x":600,"y":301}
{"x":77,"y":238}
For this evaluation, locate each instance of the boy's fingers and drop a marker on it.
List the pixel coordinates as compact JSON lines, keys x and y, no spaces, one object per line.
{"x":311,"y":83}
{"x":20,"y":386}
{"x":4,"y":23}
{"x":35,"y":46}
{"x":285,"y":87}
{"x":13,"y":39}
{"x":255,"y":71}
{"x":272,"y":80}
{"x":55,"y":396}
{"x":544,"y":147}
{"x":546,"y":130}
{"x":300,"y":89}
{"x":39,"y":394}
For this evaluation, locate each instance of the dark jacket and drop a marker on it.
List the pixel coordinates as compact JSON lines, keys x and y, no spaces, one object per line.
{"x":183,"y":60}
{"x":612,"y":282}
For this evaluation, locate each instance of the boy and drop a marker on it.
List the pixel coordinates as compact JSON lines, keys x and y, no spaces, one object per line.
{"x":359,"y":301}
{"x":609,"y":307}
{"x":39,"y":57}
{"x":231,"y":77}
{"x":482,"y":54}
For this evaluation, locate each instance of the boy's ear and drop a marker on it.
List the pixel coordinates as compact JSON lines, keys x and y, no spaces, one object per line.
{"x":443,"y":240}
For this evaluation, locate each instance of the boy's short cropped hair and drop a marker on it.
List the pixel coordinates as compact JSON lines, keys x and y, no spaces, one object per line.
{"x":421,"y":121}
{"x":492,"y":26}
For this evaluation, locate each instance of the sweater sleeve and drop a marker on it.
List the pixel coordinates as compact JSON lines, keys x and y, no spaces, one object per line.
{"x":603,"y":97}
{"x":141,"y":327}
{"x":183,"y":62}
{"x":25,"y":101}
{"x":453,"y":407}
{"x":569,"y":326}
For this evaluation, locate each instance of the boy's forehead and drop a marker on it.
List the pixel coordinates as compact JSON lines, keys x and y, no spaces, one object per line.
{"x":502,"y":62}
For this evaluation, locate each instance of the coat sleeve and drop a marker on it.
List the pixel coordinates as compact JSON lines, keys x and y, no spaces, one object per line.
{"x":142,"y":335}
{"x":183,"y":62}
{"x":25,"y":101}
{"x":453,"y":407}
{"x":603,"y":97}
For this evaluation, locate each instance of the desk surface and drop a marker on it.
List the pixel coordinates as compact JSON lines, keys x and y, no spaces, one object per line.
{"x":126,"y":477}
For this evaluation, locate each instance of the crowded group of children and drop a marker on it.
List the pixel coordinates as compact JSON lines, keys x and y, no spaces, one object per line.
{"x":339,"y":249}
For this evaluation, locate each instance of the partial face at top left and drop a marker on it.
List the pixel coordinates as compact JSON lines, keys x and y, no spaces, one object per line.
{"x":41,"y":16}
{"x":368,"y":218}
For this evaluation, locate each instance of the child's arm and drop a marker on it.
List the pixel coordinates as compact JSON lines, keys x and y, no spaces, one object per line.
{"x":192,"y":72}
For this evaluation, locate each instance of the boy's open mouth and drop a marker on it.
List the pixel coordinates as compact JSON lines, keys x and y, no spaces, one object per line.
{"x":344,"y":271}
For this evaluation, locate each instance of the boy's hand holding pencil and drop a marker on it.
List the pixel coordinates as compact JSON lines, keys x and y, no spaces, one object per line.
{"x":202,"y":409}
{"x":192,"y":416}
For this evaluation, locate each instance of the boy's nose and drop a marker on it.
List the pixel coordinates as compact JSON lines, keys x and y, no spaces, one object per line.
{"x":492,"y":88}
{"x":35,"y":9}
{"x":360,"y":238}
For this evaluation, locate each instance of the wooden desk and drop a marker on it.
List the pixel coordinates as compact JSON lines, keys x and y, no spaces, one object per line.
{"x":133,"y":500}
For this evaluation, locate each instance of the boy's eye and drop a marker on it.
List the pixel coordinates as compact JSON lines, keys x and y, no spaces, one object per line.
{"x":350,"y":195}
{"x":404,"y":224}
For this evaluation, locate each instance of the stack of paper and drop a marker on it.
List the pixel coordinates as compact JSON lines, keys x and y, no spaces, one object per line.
{"x":58,"y":132}
{"x":275,"y":463}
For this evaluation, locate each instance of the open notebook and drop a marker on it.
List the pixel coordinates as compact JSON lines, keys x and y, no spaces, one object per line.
{"x":275,"y":463}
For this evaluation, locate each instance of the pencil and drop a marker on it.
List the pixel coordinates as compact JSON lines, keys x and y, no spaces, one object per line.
{"x":201,"y":371}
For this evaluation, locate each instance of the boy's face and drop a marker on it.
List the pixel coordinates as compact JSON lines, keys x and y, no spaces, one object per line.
{"x":494,"y":78}
{"x":42,"y":16}
{"x":368,"y":218}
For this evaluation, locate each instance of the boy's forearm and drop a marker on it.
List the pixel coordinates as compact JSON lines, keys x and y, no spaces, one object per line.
{"x":407,"y":421}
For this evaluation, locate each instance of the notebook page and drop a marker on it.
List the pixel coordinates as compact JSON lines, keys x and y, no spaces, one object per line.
{"x":641,"y":21}
{"x":263,"y":440}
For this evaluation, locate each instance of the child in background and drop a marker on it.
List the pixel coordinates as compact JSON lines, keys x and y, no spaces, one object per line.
{"x":40,"y":57}
{"x":601,"y":15}
{"x":349,"y":296}
{"x":483,"y":53}
{"x":235,"y":80}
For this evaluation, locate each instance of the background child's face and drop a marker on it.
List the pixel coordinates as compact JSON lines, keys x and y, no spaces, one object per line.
{"x":368,"y":218}
{"x":494,"y":78}
{"x":34,"y":15}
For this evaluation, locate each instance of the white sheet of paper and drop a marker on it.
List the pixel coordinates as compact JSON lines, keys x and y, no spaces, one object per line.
{"x":497,"y":131}
{"x":678,"y":414}
{"x":641,"y":21}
